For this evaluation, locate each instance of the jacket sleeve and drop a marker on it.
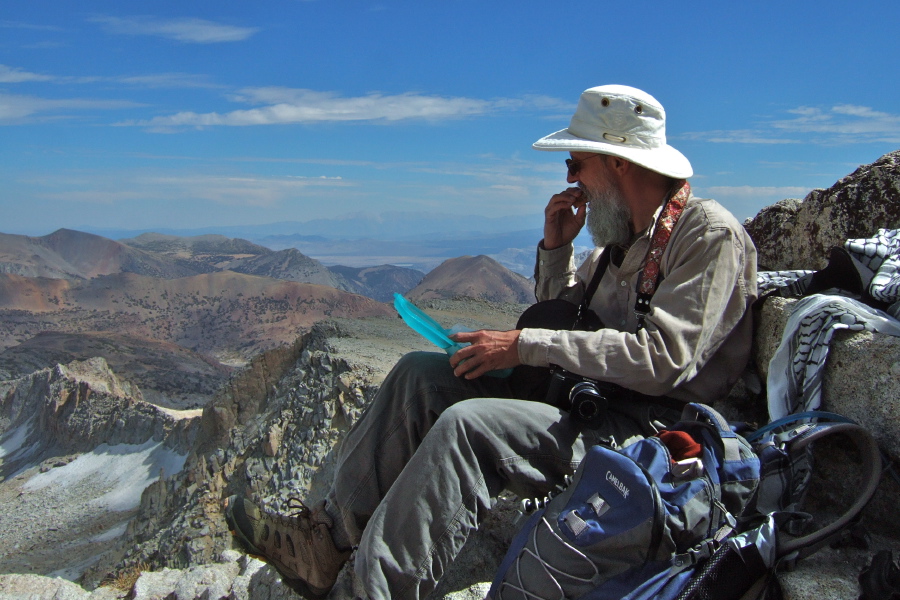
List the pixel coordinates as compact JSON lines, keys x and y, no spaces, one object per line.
{"x":555,"y":275}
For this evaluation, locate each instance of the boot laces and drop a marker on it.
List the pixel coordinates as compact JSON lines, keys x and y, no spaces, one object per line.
{"x":301,"y":516}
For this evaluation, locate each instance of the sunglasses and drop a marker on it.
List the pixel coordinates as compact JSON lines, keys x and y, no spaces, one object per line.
{"x":575,"y":165}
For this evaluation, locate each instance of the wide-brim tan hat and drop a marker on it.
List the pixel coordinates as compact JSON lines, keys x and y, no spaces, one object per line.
{"x":622,"y":121}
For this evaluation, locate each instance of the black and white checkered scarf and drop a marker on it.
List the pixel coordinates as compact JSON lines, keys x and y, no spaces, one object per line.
{"x":795,"y":371}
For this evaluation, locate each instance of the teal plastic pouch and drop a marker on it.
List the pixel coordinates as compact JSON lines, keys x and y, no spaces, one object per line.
{"x":432,"y":331}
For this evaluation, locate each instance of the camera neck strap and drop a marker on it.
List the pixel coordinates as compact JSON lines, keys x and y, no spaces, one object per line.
{"x":602,"y":265}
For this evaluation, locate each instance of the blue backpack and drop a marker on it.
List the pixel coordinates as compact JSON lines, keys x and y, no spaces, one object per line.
{"x":636,"y":521}
{"x":638,"y":524}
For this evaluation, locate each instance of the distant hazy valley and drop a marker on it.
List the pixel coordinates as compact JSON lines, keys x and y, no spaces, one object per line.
{"x":419,"y":241}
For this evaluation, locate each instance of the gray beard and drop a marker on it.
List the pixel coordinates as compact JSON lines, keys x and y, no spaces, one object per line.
{"x":609,"y":218}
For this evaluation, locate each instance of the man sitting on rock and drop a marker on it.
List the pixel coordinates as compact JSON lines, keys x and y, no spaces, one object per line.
{"x":442,"y":438}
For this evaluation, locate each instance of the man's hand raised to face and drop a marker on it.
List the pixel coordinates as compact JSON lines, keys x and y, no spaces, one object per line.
{"x":561,"y":224}
{"x":489,"y":351}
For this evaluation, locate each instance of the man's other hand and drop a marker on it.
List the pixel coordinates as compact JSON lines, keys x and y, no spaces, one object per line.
{"x":561,"y":224}
{"x":489,"y":351}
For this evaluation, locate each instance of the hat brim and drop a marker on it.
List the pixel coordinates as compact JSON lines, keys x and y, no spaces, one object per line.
{"x":662,"y":159}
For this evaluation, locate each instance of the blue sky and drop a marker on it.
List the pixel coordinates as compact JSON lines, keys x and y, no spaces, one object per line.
{"x":181,"y":114}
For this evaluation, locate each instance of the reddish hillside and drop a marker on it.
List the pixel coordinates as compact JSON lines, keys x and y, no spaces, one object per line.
{"x":224,"y":314}
{"x":36,"y":294}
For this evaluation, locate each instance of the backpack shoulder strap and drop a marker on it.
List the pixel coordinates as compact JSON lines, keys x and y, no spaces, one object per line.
{"x":695,"y":411}
{"x":870,"y":457}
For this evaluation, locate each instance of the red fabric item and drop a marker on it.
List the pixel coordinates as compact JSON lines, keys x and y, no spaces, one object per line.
{"x":680,"y":444}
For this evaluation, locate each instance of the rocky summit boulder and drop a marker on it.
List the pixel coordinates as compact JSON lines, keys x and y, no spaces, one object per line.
{"x":795,"y":234}
{"x":862,"y":371}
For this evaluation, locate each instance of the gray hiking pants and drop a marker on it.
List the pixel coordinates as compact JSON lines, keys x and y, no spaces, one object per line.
{"x":420,"y":469}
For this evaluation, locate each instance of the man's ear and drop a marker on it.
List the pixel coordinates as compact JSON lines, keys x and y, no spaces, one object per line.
{"x":618,"y":165}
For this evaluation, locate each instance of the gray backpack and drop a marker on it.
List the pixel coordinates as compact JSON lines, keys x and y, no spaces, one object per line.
{"x":774,"y":533}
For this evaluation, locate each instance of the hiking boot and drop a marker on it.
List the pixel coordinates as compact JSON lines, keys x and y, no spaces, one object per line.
{"x":299,"y":545}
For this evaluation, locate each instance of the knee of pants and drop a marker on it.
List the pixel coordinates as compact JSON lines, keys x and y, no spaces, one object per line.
{"x":477,"y":420}
{"x":523,"y":446}
{"x":458,"y":431}
{"x":462,"y":416}
{"x":421,"y":365}
{"x":421,"y":383}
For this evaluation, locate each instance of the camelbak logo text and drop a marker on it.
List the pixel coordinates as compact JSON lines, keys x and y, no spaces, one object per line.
{"x":623,"y":489}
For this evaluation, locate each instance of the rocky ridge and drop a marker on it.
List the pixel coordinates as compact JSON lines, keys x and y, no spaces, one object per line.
{"x":74,"y":408}
{"x":77,"y":446}
{"x":167,"y":374}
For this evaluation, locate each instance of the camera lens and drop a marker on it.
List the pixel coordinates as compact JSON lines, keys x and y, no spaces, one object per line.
{"x":588,"y":409}
{"x":588,"y":404}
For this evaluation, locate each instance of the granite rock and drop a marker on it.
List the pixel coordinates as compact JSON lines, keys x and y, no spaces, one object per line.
{"x":794,"y":234}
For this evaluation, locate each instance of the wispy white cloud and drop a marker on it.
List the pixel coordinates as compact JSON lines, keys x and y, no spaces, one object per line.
{"x":186,"y":30}
{"x":737,"y":136}
{"x":168,"y":80}
{"x":312,"y":107}
{"x":13,"y":75}
{"x":153,"y":80}
{"x":276,"y":105}
{"x":844,"y":123}
{"x":23,"y":25}
{"x":225,"y":190}
{"x":15,"y":108}
{"x":289,"y":106}
{"x":749,"y":191}
{"x":840,"y":124}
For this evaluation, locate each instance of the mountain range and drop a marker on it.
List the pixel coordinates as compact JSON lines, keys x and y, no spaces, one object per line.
{"x":176,"y":314}
{"x":417,"y":240}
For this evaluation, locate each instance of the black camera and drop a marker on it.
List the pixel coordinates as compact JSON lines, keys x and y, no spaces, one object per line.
{"x":585,"y":399}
